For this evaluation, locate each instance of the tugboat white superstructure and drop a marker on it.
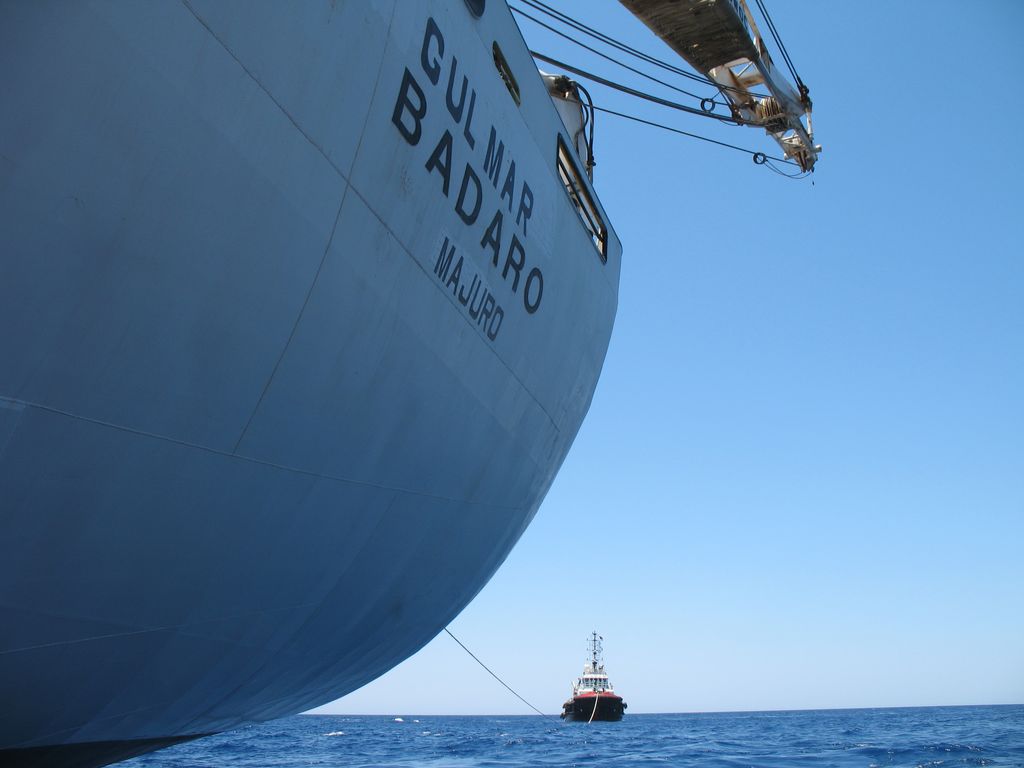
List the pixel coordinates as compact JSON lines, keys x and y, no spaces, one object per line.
{"x":593,"y":697}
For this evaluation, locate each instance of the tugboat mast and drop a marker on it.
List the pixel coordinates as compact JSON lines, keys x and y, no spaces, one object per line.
{"x":594,"y":645}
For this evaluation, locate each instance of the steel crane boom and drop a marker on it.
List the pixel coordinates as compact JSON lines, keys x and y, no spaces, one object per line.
{"x":720,"y":39}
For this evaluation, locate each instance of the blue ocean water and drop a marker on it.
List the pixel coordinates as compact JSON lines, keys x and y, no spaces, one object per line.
{"x":861,"y":738}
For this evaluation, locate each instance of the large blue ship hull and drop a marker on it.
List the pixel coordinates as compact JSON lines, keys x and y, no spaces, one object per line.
{"x":274,"y":404}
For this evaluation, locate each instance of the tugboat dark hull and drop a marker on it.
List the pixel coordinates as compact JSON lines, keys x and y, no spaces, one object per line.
{"x":590,"y":708}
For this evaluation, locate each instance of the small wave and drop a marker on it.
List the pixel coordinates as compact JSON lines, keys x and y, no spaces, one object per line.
{"x":335,"y":733}
{"x":399,"y":720}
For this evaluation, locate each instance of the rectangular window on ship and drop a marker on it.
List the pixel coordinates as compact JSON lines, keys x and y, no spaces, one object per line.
{"x":581,"y":200}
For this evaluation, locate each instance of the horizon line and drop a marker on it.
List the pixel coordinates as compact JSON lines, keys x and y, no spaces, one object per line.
{"x":691,"y":712}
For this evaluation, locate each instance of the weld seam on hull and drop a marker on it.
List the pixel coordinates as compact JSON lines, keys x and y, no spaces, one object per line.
{"x":252,"y":460}
{"x":466,"y":318}
{"x":176,"y":628}
{"x":263,"y":88}
{"x":337,"y":218}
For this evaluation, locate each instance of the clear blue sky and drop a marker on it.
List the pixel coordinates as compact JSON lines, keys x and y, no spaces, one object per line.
{"x":805,"y":458}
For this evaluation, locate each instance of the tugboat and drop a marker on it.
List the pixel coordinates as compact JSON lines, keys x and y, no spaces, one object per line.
{"x":593,"y":697}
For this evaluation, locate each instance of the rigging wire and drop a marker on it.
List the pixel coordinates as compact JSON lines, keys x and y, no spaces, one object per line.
{"x":759,"y":157}
{"x":608,"y":40}
{"x":453,"y":637}
{"x":782,"y":47}
{"x":798,"y":175}
{"x":638,"y":94}
{"x":589,"y":118}
{"x":597,"y":35}
{"x":605,"y":56}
